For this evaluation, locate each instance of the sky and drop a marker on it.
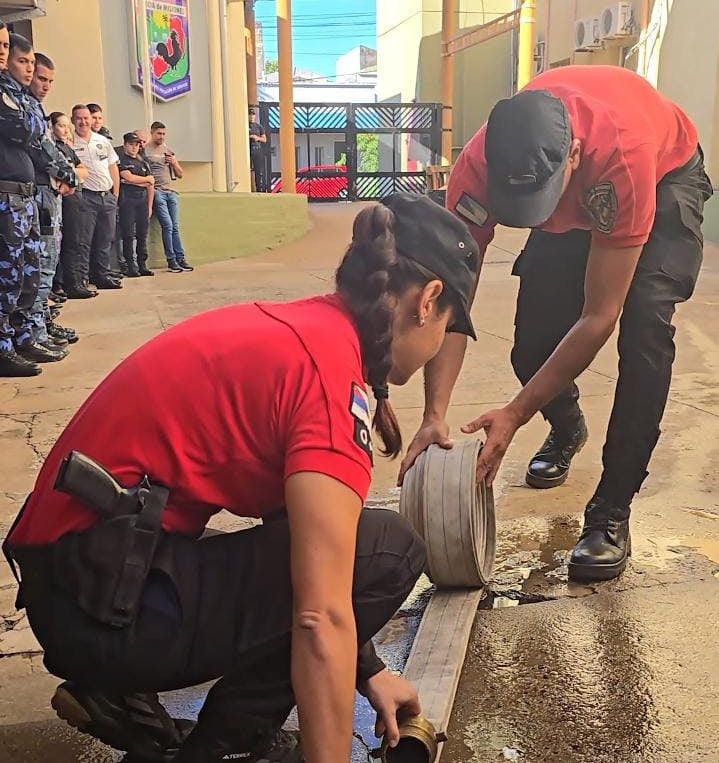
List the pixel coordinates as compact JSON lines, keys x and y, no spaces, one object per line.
{"x":322,"y":30}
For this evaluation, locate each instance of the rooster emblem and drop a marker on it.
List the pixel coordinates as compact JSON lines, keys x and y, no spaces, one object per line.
{"x":170,"y":51}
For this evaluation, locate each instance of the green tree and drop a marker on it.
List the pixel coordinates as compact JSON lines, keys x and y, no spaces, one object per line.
{"x":367,"y":152}
{"x":272,"y":66}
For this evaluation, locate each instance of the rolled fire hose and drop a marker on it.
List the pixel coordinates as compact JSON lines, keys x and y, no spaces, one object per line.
{"x":453,"y":514}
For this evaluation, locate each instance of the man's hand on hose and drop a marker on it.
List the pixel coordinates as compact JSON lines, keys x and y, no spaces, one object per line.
{"x":500,"y":425}
{"x":393,"y":698}
{"x":431,"y":431}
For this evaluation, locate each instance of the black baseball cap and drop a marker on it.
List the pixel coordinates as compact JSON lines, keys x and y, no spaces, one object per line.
{"x":433,"y":237}
{"x":131,"y":137}
{"x":526,"y":147}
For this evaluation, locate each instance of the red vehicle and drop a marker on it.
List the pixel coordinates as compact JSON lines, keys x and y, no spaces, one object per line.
{"x":320,"y":181}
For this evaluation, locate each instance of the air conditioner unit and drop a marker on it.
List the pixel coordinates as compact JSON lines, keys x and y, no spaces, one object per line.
{"x":616,"y":21}
{"x":586,"y":34}
{"x":539,"y":53}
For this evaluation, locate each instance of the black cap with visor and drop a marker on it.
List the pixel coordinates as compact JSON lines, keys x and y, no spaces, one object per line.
{"x":435,"y":238}
{"x":526,"y":147}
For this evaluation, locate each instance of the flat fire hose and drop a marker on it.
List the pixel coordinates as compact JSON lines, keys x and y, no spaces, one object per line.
{"x":453,"y":514}
{"x":455,"y":517}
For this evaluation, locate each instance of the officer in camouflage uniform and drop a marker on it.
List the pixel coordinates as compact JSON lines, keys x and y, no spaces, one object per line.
{"x":23,"y":132}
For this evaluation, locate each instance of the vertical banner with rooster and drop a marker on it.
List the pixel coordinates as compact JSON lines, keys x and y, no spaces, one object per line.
{"x":168,"y":40}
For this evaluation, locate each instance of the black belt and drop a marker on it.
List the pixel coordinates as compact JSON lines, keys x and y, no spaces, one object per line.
{"x":97,"y":193}
{"x":22,"y":189}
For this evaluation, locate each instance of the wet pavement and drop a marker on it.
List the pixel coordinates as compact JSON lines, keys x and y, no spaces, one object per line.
{"x":555,"y":673}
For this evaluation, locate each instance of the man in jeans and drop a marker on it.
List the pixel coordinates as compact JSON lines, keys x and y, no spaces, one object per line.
{"x":166,"y":169}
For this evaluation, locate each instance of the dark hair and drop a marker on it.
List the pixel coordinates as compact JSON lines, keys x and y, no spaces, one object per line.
{"x":157,"y":126}
{"x":3,"y":25}
{"x":42,"y":60}
{"x":79,"y":107}
{"x":55,"y":117}
{"x":18,"y":42}
{"x":370,"y":274}
{"x":94,"y":108}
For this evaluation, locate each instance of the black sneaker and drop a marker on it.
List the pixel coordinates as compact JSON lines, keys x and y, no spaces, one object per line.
{"x":173,"y":267}
{"x":184,"y":265}
{"x":146,"y":272}
{"x":12,"y":364}
{"x":550,"y":465}
{"x":284,"y":748}
{"x":136,"y":723}
{"x":56,"y":332}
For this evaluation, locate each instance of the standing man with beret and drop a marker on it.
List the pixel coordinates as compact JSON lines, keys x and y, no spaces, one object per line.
{"x":609,"y":175}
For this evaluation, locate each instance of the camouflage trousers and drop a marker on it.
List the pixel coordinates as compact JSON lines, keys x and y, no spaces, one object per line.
{"x":50,"y":211}
{"x":19,"y":271}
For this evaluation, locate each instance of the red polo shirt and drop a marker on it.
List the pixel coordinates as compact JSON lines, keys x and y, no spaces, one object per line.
{"x":222,"y":409}
{"x":631,"y":135}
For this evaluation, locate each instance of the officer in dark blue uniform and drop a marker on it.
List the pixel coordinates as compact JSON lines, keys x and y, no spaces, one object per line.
{"x":23,"y":132}
{"x":137,"y":191}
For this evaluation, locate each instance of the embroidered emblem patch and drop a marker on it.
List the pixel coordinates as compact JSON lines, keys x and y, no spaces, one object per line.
{"x":9,"y":102}
{"x":471,"y":211}
{"x":601,"y":203}
{"x":359,"y":408}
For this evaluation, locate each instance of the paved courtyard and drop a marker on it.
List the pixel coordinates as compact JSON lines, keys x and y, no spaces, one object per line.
{"x":627,"y":671}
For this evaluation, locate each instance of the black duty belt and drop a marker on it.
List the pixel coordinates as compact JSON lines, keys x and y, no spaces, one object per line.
{"x":21,"y":189}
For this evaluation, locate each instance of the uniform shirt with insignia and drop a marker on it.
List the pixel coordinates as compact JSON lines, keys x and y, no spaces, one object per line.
{"x":234,"y":402}
{"x":631,"y":135}
{"x":20,"y":129}
{"x":137,"y":166}
{"x":97,"y":155}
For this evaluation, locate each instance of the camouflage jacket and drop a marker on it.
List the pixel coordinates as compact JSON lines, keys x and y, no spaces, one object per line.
{"x":23,"y":126}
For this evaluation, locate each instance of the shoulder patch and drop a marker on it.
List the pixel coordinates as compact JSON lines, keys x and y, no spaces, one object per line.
{"x":10,"y":102}
{"x":359,"y":408}
{"x":471,"y":211}
{"x":601,"y":203}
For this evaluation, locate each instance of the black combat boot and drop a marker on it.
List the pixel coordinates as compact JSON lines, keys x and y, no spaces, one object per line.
{"x":12,"y":364}
{"x":550,"y":465}
{"x":38,"y":353}
{"x":605,"y":544}
{"x":136,"y":723}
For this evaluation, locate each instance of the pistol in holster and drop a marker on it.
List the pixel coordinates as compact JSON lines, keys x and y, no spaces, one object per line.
{"x":107,"y":566}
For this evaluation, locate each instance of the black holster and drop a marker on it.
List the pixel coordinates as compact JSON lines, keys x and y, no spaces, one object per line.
{"x":104,"y":568}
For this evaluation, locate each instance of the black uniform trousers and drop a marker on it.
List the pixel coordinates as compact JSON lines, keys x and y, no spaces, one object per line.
{"x":220,"y":607}
{"x":73,"y":221}
{"x":134,"y":224}
{"x":257,"y":160}
{"x":551,"y":298}
{"x":89,"y":224}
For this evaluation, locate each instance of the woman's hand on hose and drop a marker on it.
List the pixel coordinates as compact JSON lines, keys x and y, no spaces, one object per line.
{"x":393,"y":698}
{"x":431,"y":431}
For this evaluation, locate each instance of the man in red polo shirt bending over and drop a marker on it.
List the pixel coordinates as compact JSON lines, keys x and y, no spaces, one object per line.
{"x":609,"y":175}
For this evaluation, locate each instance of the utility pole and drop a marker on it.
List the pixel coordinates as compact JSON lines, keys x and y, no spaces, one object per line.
{"x":527,"y":40}
{"x":287,"y":117}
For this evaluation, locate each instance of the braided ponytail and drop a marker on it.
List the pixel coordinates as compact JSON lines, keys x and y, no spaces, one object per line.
{"x":365,"y":279}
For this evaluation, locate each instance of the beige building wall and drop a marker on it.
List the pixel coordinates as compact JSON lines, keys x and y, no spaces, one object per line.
{"x":90,"y":42}
{"x":78,"y":56}
{"x":676,"y":49}
{"x":409,"y":38}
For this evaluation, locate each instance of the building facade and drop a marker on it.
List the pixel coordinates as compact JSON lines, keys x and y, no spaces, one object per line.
{"x":94,"y":46}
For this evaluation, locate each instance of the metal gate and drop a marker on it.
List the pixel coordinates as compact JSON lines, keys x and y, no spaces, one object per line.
{"x":356,"y":151}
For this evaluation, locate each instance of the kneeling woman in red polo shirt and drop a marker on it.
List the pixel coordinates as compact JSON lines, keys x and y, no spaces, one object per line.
{"x":259,"y":409}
